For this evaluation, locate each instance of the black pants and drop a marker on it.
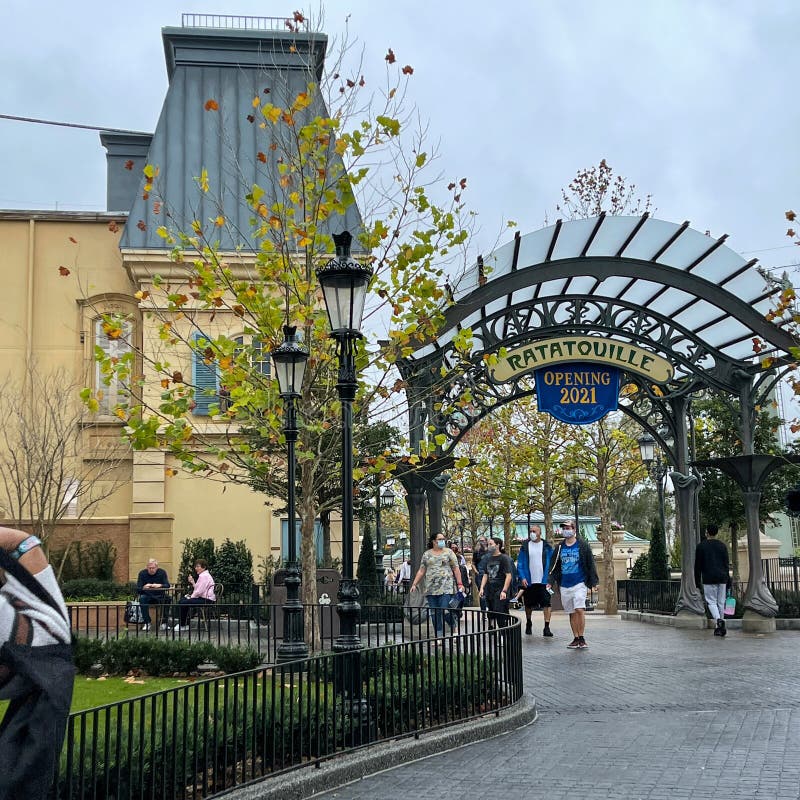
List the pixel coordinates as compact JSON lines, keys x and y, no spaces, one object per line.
{"x":185,"y":606}
{"x":497,"y":608}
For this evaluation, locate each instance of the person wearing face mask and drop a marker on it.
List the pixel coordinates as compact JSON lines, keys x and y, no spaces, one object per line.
{"x":440,"y":571}
{"x":498,"y":570}
{"x":574,"y":571}
{"x":533,"y":564}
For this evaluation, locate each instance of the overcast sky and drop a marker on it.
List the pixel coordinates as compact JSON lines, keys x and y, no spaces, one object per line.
{"x":693,"y":101}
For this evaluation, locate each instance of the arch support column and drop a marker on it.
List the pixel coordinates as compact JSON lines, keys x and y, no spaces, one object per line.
{"x":690,"y":601}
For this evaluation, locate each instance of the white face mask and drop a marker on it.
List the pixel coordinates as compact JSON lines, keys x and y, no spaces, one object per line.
{"x":440,"y":542}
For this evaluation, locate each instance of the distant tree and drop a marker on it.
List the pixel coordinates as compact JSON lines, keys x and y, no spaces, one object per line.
{"x":46,"y":474}
{"x":367,"y":576}
{"x":641,"y":568}
{"x":596,"y":189}
{"x":659,"y":568}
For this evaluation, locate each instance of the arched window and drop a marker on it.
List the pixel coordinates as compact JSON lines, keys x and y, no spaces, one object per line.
{"x":111,"y":393}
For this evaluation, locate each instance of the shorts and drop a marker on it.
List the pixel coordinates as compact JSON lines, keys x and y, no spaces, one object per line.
{"x":573,"y":598}
{"x":536,"y":596}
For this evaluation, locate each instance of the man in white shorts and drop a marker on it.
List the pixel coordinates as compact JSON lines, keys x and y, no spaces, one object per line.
{"x":574,"y":571}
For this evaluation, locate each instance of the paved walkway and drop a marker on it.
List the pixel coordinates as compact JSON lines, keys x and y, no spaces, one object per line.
{"x":646,"y":713}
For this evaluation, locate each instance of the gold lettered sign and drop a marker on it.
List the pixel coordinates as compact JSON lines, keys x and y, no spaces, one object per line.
{"x":592,"y":349}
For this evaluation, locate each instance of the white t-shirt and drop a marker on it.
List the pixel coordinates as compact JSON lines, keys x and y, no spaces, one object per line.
{"x":535,"y":560}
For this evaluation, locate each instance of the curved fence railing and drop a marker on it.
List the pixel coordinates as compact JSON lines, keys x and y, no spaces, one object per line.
{"x":215,"y":734}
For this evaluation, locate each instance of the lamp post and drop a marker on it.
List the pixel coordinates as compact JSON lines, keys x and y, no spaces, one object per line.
{"x":492,"y":498}
{"x":344,"y":283}
{"x":290,"y":365}
{"x":575,"y":487}
{"x":651,"y":458}
{"x":462,"y":523}
{"x":531,"y":501}
{"x":630,"y":560}
{"x":383,"y":499}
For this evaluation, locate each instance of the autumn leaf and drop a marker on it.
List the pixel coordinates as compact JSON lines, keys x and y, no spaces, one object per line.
{"x":170,"y":473}
{"x":165,"y":383}
{"x":408,"y":70}
{"x":142,"y":294}
{"x":73,"y":240}
{"x":463,"y":183}
{"x":141,"y":226}
{"x":129,"y":164}
{"x":791,"y":216}
{"x":63,"y":271}
{"x":251,"y":118}
{"x":113,"y":227}
{"x":298,"y":17}
{"x":220,"y":221}
{"x":390,"y":56}
{"x":238,"y":310}
{"x":261,"y":157}
{"x":211,"y":105}
{"x":177,"y":377}
{"x":256,"y":101}
{"x":271,"y":112}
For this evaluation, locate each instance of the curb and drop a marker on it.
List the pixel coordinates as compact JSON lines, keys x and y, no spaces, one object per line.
{"x":340,"y":770}
{"x":645,"y":617}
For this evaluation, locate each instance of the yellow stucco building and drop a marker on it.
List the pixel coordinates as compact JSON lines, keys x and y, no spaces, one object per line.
{"x":64,"y":269}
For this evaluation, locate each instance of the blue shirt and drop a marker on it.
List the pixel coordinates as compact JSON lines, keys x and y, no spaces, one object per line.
{"x":571,"y":572}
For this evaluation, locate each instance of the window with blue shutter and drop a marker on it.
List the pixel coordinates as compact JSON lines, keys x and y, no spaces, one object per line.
{"x":204,"y":377}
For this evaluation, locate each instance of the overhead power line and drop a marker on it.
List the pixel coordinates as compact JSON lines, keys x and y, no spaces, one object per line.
{"x":15,"y":118}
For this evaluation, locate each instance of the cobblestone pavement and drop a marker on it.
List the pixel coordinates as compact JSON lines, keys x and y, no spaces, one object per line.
{"x":646,"y":713}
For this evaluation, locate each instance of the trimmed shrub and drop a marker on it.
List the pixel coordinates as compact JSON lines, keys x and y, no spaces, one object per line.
{"x":158,"y":657}
{"x":641,"y":568}
{"x":94,"y":589}
{"x":79,"y":561}
{"x":233,"y":566}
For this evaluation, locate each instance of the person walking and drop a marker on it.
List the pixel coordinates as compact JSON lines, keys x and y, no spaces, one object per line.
{"x":533,"y":566}
{"x":404,"y":575}
{"x":440,"y":571}
{"x":712,"y":572}
{"x":574,"y":571}
{"x":498,"y":570}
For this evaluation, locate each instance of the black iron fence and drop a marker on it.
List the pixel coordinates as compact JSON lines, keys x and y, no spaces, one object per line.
{"x":205,"y":738}
{"x":654,"y":596}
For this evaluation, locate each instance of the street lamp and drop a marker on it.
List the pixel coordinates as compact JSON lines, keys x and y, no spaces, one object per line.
{"x":344,"y":283}
{"x":290,"y":366}
{"x":651,"y":458}
{"x":575,"y":487}
{"x":383,"y":499}
{"x":531,"y":502}
{"x":462,"y":523}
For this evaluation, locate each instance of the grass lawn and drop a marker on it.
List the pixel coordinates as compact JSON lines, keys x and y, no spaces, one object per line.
{"x":90,"y":693}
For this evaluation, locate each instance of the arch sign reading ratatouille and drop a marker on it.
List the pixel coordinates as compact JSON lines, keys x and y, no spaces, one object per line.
{"x":569,"y":383}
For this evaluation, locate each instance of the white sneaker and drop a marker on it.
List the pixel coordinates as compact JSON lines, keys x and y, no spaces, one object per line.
{"x":146,"y":627}
{"x":180,"y":627}
{"x":165,"y":626}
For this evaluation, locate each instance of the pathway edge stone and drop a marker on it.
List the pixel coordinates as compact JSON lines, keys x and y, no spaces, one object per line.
{"x":309,"y":781}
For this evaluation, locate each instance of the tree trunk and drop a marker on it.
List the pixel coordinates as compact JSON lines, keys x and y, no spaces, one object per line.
{"x":734,"y":528}
{"x":308,"y":565}
{"x":607,"y":538}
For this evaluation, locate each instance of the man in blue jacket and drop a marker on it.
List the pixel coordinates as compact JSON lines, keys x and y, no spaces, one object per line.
{"x":533,"y":566}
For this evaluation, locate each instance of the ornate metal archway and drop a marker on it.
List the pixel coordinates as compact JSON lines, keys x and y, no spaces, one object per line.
{"x":663,"y":288}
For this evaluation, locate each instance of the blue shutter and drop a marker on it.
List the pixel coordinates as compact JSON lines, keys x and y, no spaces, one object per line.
{"x":204,"y":378}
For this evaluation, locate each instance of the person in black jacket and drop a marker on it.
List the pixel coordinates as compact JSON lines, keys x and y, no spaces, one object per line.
{"x":712,"y":571}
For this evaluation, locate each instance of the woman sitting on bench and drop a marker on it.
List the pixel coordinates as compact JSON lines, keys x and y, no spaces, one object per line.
{"x":202,"y":594}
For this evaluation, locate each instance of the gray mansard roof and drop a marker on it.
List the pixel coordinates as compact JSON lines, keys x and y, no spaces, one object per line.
{"x":230,"y":67}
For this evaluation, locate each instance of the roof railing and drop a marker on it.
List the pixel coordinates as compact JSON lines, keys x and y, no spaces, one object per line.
{"x":239,"y":22}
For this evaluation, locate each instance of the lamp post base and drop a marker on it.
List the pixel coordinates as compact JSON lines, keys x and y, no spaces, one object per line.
{"x":293,"y":646}
{"x":347,"y":662}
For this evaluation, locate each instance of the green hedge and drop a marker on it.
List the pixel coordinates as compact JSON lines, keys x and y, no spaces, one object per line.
{"x":84,"y":589}
{"x":161,"y":747}
{"x":158,"y":657}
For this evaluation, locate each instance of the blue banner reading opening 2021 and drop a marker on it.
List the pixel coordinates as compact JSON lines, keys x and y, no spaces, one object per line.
{"x":578,"y":393}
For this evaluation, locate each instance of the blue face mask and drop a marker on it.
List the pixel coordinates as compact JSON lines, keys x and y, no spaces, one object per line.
{"x":440,"y":542}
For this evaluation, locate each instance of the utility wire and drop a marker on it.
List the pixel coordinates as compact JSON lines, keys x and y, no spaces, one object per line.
{"x":70,"y":125}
